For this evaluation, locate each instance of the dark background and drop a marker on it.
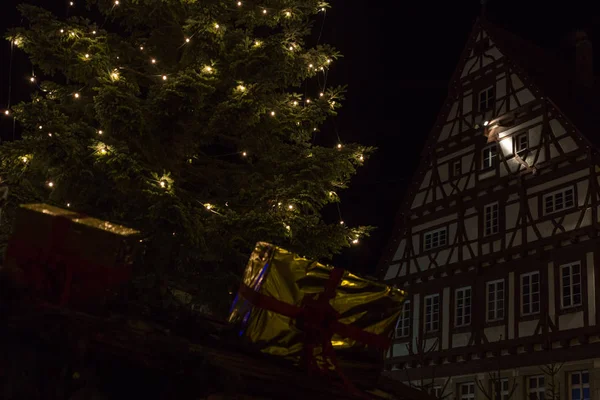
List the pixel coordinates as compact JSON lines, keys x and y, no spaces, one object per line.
{"x":398,"y":58}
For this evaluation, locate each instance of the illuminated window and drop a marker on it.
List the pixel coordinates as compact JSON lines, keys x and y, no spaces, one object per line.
{"x":559,"y":200}
{"x":521,"y":143}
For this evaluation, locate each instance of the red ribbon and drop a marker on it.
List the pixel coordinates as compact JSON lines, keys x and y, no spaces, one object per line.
{"x":319,"y":321}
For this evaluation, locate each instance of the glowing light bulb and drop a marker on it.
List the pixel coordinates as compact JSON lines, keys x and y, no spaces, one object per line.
{"x":142,"y":48}
{"x":187,"y":40}
{"x":93,"y":32}
{"x":328,"y":60}
{"x":314,"y":129}
{"x":331,"y":193}
{"x":239,"y":3}
{"x":310,"y":65}
{"x":153,"y":61}
{"x":49,"y":135}
{"x":291,"y":48}
{"x":17,"y":41}
{"x":6,"y":112}
{"x":208,"y":206}
{"x":339,"y":146}
{"x":103,"y":151}
{"x":217,"y":26}
{"x":272,"y":113}
{"x":71,"y":3}
{"x":114,"y":75}
{"x":323,"y":9}
{"x":295,"y":103}
{"x":163,"y":184}
{"x":117,"y":2}
{"x":208,"y":68}
{"x":321,"y":94}
{"x":298,"y":123}
{"x":24,"y":159}
{"x":288,"y":14}
{"x":287,"y":227}
{"x":361,"y":158}
{"x":264,"y":11}
{"x":164,"y":77}
{"x":40,"y":127}
{"x":100,"y":132}
{"x":341,"y":222}
{"x":62,"y":31}
{"x":486,"y":123}
{"x":68,"y":204}
{"x":244,"y":154}
{"x":32,"y":79}
{"x":76,"y":95}
{"x":50,"y":184}
{"x":279,"y":204}
{"x":308,"y":100}
{"x":355,"y":241}
{"x":72,"y":33}
{"x":291,"y":207}
{"x":241,"y":88}
{"x":257,"y":43}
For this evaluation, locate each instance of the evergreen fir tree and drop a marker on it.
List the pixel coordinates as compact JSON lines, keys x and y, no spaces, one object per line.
{"x":190,"y":120}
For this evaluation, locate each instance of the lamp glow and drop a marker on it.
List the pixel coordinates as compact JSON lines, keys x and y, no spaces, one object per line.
{"x":76,"y":95}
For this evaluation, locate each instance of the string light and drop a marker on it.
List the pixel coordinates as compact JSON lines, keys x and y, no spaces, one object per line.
{"x":288,"y":14}
{"x":62,"y":31}
{"x":68,"y":204}
{"x":244,"y":154}
{"x":50,"y":184}
{"x":72,"y":33}
{"x":361,"y":158}
{"x":341,"y":222}
{"x":102,"y":151}
{"x":87,"y":56}
{"x":6,"y":112}
{"x":117,"y":2}
{"x":153,"y":61}
{"x":287,"y":227}
{"x":239,"y":3}
{"x":264,"y":11}
{"x":49,"y":134}
{"x":40,"y":127}
{"x":329,"y":61}
{"x":93,"y":32}
{"x":310,"y":65}
{"x":257,"y":43}
{"x":217,"y":26}
{"x":115,"y":75}
{"x":76,"y":95}
{"x":272,"y":113}
{"x":339,"y":146}
{"x":291,"y":48}
{"x":321,"y":94}
{"x":295,"y":103}
{"x":291,"y":207}
{"x":208,"y":68}
{"x":163,"y":184}
{"x":71,"y":3}
{"x":142,"y":48}
{"x":32,"y":79}
{"x":164,"y":77}
{"x":208,"y":206}
{"x":100,"y":132}
{"x":187,"y":40}
{"x":24,"y":159}
{"x":241,"y":88}
{"x":355,"y":241}
{"x":308,"y":100}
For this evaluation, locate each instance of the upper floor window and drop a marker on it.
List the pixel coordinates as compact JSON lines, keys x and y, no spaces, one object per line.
{"x":504,"y":389}
{"x":432,"y":313}
{"x":571,"y":284}
{"x":466,"y":391}
{"x":495,"y":300}
{"x":436,"y":238}
{"x":530,"y":293}
{"x":457,"y":168}
{"x":490,"y":219}
{"x":403,"y":325}
{"x":489,"y":155}
{"x":559,"y":200}
{"x":463,"y":306}
{"x":579,"y":386}
{"x":535,"y":387}
{"x":521,"y":143}
{"x":486,"y":98}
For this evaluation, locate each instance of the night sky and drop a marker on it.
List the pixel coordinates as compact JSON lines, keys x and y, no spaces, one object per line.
{"x":398,"y":58}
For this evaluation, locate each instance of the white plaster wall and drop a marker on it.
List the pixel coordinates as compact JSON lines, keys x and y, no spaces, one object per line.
{"x":400,"y":251}
{"x":571,"y":321}
{"x":392,"y":271}
{"x":527,"y":328}
{"x":495,"y":333}
{"x":460,"y":339}
{"x":525,"y":96}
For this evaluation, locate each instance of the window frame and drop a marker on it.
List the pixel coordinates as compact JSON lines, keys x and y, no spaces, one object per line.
{"x":496,"y":301}
{"x":581,"y":386}
{"x":572,"y":304}
{"x":552,"y":195}
{"x":432,"y":322}
{"x":470,"y":395}
{"x":490,"y":100}
{"x":531,"y":293}
{"x":494,"y":228}
{"x":463,"y":315}
{"x":517,"y":143}
{"x":404,"y":319}
{"x":455,"y":163}
{"x":432,"y":232}
{"x":493,"y":158}
{"x":537,"y":389}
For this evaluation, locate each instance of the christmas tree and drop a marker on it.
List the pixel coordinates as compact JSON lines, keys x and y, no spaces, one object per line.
{"x":193,"y":121}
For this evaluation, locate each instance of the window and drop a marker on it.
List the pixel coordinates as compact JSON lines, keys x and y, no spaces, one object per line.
{"x":490,"y":220}
{"x":535,"y":388}
{"x":403,"y":325}
{"x":489,"y":156}
{"x":530,"y":293}
{"x":521,"y":143}
{"x":560,"y":200}
{"x":432,"y":313}
{"x":495,"y":300}
{"x":436,"y":392}
{"x":467,"y":391}
{"x":436,"y":238}
{"x":504,"y":389}
{"x":463,"y":306}
{"x":571,"y":285}
{"x":486,"y":99}
{"x":580,"y":386}
{"x":456,"y":168}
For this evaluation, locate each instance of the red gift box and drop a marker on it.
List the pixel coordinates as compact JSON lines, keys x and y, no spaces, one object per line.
{"x":68,"y":258}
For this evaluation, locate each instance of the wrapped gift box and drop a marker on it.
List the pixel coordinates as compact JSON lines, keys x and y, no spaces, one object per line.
{"x":293,"y":307}
{"x":69,"y":258}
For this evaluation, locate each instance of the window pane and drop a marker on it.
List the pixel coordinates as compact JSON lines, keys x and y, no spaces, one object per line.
{"x":585,"y":377}
{"x":575,"y":378}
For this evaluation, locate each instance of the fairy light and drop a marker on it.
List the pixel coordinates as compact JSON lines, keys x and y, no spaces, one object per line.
{"x":164,"y":77}
{"x":76,"y":95}
{"x":100,"y":132}
{"x":24,"y":159}
{"x":117,"y":2}
{"x":40,"y":127}
{"x":208,"y":69}
{"x":355,"y":241}
{"x":272,"y":113}
{"x":291,"y":48}
{"x":115,"y":75}
{"x":323,"y":9}
{"x":103,"y":151}
{"x":310,"y":65}
{"x":244,"y":154}
{"x":50,"y":184}
{"x":187,"y":40}
{"x":308,"y":100}
{"x":62,"y":31}
{"x":295,"y":103}
{"x":486,"y":123}
{"x":288,"y":14}
{"x":153,"y":61}
{"x":241,"y":88}
{"x":71,"y":3}
{"x":329,"y":61}
{"x":72,"y":33}
{"x":339,"y":146}
{"x":257,"y":43}
{"x":321,"y":94}
{"x":163,"y":184}
{"x":291,"y":207}
{"x":6,"y":112}
{"x":287,"y":227}
{"x":142,"y":48}
{"x":49,"y":135}
{"x":239,"y":3}
{"x":341,"y":222}
{"x":361,"y":158}
{"x":68,"y":204}
{"x":217,"y":26}
{"x":32,"y":79}
{"x":93,"y":32}
{"x":264,"y":10}
{"x":208,"y":206}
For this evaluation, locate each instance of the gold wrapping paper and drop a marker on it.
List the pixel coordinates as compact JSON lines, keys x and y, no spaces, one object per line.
{"x":278,"y":273}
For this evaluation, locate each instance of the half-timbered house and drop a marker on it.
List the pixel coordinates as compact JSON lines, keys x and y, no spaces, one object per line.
{"x":497,"y":242}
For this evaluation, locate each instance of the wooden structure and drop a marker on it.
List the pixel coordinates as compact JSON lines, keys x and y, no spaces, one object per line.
{"x":497,"y":242}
